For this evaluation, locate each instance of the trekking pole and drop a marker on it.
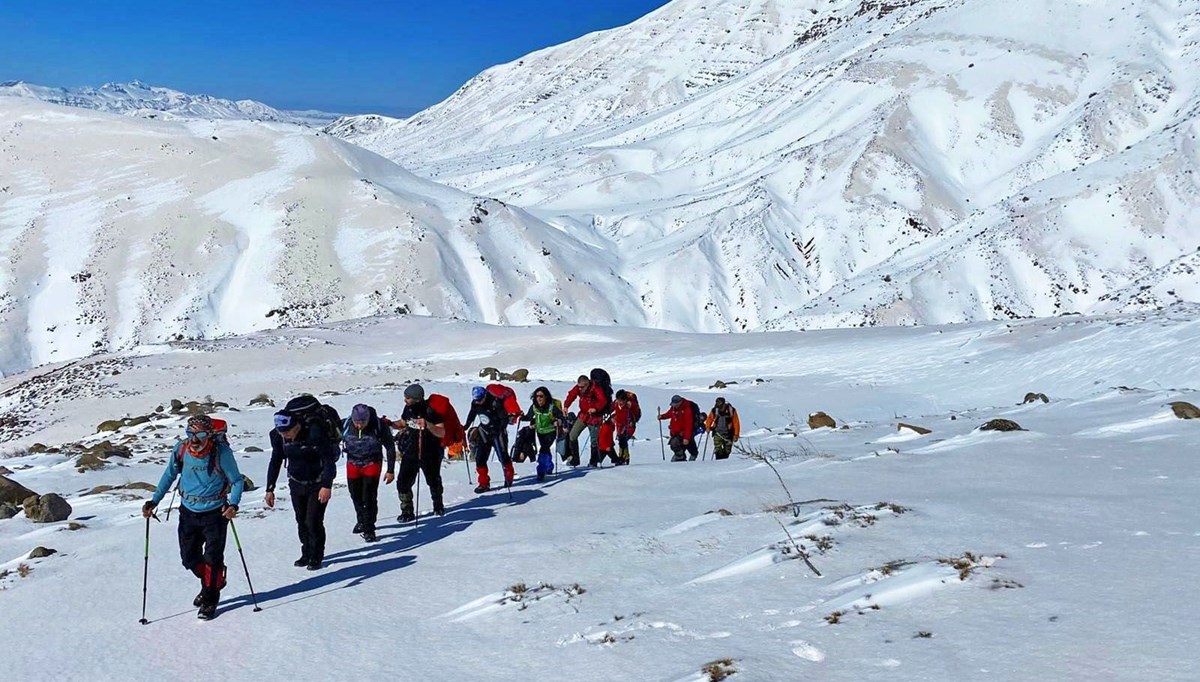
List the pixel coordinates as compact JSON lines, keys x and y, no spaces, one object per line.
{"x":704,"y":447}
{"x":145,"y":573}
{"x":245,"y":568}
{"x":661,"y":445}
{"x":420,"y":472}
{"x":172,"y":502}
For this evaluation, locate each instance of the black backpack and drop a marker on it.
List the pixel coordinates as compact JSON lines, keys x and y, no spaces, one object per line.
{"x":600,"y":378}
{"x":524,"y":447}
{"x":317,"y":417}
{"x":698,"y":417}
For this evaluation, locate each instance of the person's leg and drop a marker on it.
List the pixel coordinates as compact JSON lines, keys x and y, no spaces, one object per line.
{"x":506,"y":462}
{"x":482,"y":451}
{"x":369,"y":489}
{"x":545,"y":461}
{"x":692,"y":449}
{"x":300,"y":499}
{"x":573,"y":441}
{"x":409,"y":468}
{"x":315,"y":520}
{"x":623,"y":447}
{"x":432,"y":467}
{"x":215,"y":528}
{"x":676,"y":445}
{"x":355,"y":481}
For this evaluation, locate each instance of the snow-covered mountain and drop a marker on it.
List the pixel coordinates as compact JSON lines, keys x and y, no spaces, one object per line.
{"x":139,"y":99}
{"x":118,"y":231}
{"x":760,"y":164}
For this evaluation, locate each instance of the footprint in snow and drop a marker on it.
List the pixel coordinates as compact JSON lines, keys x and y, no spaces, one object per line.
{"x":807,"y":651}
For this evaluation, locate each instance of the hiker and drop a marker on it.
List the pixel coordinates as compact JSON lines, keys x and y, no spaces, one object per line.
{"x":682,"y":429}
{"x":365,"y":440}
{"x":420,"y":439}
{"x":546,"y":416}
{"x":311,"y":465}
{"x":593,"y":406}
{"x":722,"y":422}
{"x":492,"y":434}
{"x":210,"y":488}
{"x":625,"y":415}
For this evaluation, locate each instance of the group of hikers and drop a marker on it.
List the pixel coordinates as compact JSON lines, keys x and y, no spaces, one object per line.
{"x":309,"y":438}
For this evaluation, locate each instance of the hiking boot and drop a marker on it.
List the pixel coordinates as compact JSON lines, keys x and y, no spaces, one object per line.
{"x":358,"y":528}
{"x":302,"y":561}
{"x":574,"y":461}
{"x":438,"y":508}
{"x":369,"y":536}
{"x":406,"y":516}
{"x":199,"y":598}
{"x":314,"y":565}
{"x":207,"y":612}
{"x":541,"y":477}
{"x":679,"y":458}
{"x":479,"y":489}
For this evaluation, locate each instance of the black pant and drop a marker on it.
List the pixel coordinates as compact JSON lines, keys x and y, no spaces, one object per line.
{"x":431,"y":465}
{"x":202,"y":537}
{"x":677,"y":447}
{"x":546,"y":442}
{"x":364,"y":493}
{"x":484,"y":450}
{"x":310,"y":519}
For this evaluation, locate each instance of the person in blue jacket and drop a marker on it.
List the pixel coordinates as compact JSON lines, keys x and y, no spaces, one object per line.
{"x":210,"y":487}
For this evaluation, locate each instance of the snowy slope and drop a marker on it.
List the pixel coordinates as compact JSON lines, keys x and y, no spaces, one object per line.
{"x":139,"y":99}
{"x":758,"y":164}
{"x":1080,"y":529}
{"x":119,"y":231}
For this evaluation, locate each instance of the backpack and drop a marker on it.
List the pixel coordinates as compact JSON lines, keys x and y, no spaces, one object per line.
{"x":697,"y":418}
{"x":523,"y":447}
{"x":317,"y":417}
{"x":509,"y":397}
{"x":635,"y":410}
{"x":454,"y":429}
{"x":220,"y":436}
{"x":600,"y":377}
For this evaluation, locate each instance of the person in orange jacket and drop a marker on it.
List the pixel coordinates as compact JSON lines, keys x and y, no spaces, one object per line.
{"x":722,"y":423}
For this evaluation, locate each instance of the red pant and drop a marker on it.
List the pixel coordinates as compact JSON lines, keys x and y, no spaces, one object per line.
{"x":371,"y":469}
{"x":605,"y":438}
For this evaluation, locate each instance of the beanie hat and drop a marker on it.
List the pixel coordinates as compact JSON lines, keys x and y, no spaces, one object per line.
{"x":415,"y":391}
{"x":676,"y":399}
{"x":360,"y":413}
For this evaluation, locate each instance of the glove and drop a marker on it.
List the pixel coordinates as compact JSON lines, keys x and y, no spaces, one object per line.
{"x":148,"y":509}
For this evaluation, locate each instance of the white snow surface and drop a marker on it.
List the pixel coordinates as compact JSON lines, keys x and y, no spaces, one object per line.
{"x":772,"y":164}
{"x":149,"y":101}
{"x":1081,"y":530}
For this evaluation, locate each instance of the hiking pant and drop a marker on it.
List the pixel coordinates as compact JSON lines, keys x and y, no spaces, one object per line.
{"x":593,"y":436}
{"x":722,"y":445}
{"x":310,"y":519}
{"x":623,"y":446}
{"x":545,"y":442}
{"x":410,"y":466}
{"x":202,"y":548}
{"x":363,"y":481}
{"x":202,"y":537}
{"x":677,"y":447}
{"x":484,"y":451}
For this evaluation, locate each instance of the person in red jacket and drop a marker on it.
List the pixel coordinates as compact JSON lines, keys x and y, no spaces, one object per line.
{"x":682,"y":428}
{"x":624,"y":420}
{"x":593,"y":406}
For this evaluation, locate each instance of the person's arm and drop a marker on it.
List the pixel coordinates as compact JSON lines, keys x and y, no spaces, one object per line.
{"x":329,"y":458}
{"x":471,"y":416}
{"x":236,"y":482}
{"x":273,"y":467}
{"x":571,"y":395}
{"x":168,"y":477}
{"x":389,"y":447}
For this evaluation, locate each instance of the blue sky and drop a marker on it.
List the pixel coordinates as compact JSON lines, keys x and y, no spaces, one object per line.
{"x":388,"y":56}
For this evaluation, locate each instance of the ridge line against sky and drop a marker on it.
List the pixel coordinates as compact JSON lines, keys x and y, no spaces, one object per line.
{"x":389,"y":58}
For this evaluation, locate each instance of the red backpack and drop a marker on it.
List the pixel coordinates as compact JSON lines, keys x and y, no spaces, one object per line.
{"x":444,"y":409}
{"x":509,"y":398}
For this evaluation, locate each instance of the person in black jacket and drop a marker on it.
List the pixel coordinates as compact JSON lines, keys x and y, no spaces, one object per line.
{"x":420,"y":441}
{"x":493,"y":419}
{"x":311,"y":456}
{"x":365,"y":439}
